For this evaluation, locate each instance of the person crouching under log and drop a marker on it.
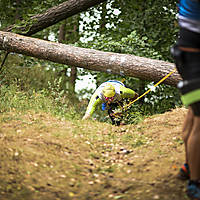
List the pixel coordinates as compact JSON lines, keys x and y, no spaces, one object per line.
{"x":111,"y":94}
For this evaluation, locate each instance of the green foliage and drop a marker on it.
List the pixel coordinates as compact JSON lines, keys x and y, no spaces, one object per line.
{"x":32,"y":73}
{"x":155,"y":20}
{"x":134,"y":115}
{"x":14,"y":99}
{"x":130,"y":44}
{"x":160,"y":100}
{"x":36,"y":88}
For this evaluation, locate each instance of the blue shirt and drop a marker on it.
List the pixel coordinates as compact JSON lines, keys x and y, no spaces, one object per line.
{"x":189,"y":15}
{"x":190,"y":9}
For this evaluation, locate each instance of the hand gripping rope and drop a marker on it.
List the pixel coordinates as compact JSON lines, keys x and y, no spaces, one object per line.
{"x":129,"y":104}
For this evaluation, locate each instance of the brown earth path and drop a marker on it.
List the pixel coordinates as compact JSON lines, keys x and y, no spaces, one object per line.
{"x":46,"y":158}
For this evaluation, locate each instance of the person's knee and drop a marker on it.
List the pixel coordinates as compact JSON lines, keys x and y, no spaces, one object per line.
{"x":187,"y":125}
{"x":185,"y":137}
{"x":196,"y":125}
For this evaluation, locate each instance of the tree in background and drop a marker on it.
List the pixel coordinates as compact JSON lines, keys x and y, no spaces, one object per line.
{"x":69,"y":33}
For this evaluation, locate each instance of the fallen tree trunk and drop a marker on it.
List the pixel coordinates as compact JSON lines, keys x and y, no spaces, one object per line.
{"x":52,"y":16}
{"x":115,"y":63}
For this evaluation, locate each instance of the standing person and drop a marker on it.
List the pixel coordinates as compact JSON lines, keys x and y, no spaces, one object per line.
{"x":110,"y":94}
{"x":186,"y":53}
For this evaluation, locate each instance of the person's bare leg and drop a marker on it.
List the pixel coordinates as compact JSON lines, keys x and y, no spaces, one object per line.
{"x":193,"y":149}
{"x":187,"y":127}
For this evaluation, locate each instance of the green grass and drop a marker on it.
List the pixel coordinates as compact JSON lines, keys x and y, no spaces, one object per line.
{"x":15,"y":100}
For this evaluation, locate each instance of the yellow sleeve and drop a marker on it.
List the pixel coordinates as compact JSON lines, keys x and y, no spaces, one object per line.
{"x":94,"y":101}
{"x":127,"y":92}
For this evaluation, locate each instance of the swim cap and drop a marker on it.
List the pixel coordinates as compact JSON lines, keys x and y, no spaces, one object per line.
{"x":109,"y":90}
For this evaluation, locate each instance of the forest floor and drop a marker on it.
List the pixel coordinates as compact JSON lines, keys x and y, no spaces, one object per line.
{"x":46,"y":158}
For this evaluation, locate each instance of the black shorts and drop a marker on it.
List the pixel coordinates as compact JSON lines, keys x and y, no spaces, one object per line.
{"x":190,"y":68}
{"x":188,"y":38}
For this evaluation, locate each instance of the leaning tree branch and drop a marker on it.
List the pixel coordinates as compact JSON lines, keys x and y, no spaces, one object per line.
{"x":52,"y":16}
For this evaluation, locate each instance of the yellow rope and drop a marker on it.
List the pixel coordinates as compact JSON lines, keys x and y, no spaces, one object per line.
{"x":150,"y":89}
{"x":126,"y":106}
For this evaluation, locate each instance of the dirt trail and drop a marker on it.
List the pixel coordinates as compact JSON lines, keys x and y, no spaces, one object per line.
{"x":43,"y":157}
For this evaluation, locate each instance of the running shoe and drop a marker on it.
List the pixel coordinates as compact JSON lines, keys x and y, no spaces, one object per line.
{"x":184,"y":172}
{"x":193,"y":190}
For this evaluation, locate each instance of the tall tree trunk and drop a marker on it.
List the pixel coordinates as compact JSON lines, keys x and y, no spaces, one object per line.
{"x":72,"y":35}
{"x":103,"y":20}
{"x":61,"y":39}
{"x":124,"y":64}
{"x":62,"y":32}
{"x":72,"y":81}
{"x":18,"y":7}
{"x":69,"y":34}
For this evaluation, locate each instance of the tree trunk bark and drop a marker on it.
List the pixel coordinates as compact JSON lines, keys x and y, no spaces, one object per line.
{"x":72,"y":81}
{"x":73,"y":73}
{"x":72,"y":36}
{"x":115,"y":63}
{"x":61,"y":39}
{"x":62,"y":32}
{"x":53,"y":16}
